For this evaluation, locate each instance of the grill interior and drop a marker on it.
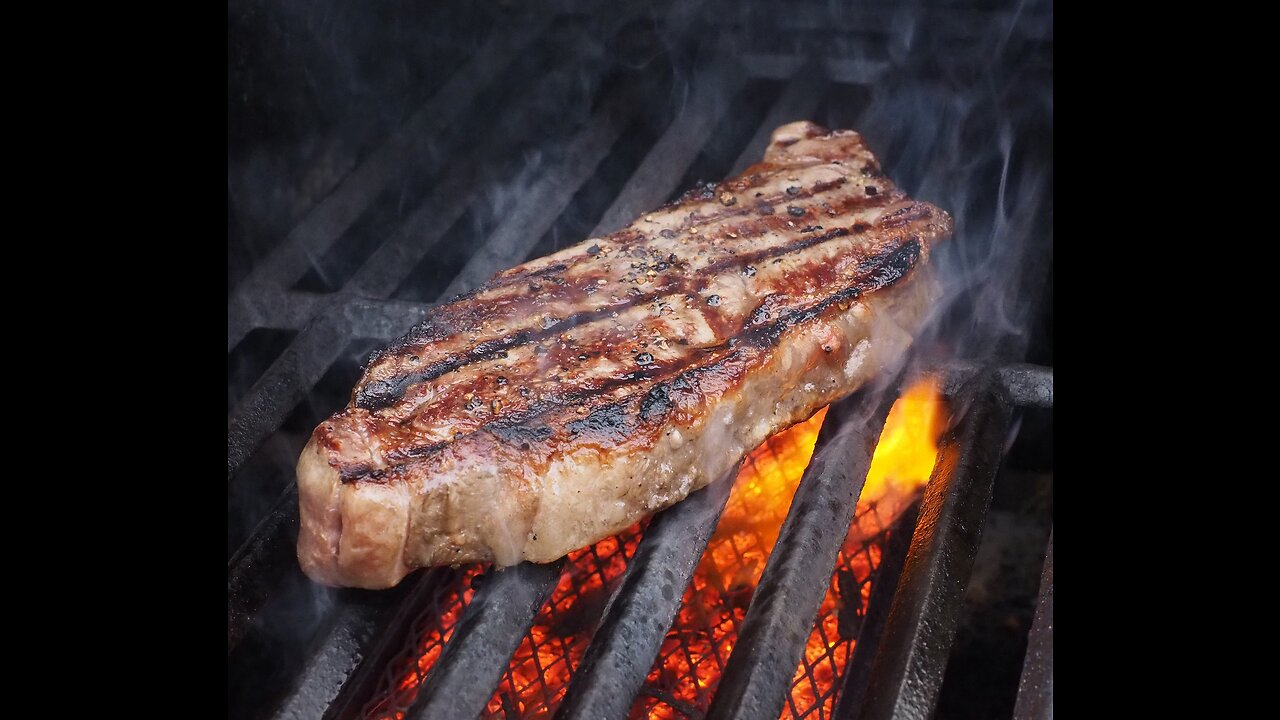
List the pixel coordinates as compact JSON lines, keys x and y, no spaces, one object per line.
{"x":384,"y":161}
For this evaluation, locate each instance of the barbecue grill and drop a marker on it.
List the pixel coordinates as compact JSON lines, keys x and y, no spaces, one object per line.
{"x":520,"y":130}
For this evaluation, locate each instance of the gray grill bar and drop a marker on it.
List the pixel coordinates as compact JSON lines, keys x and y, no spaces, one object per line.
{"x":266,"y":405}
{"x":543,"y":202}
{"x":643,"y":607}
{"x":351,"y":636}
{"x":1026,"y":385}
{"x":659,"y":173}
{"x":294,"y":309}
{"x":491,"y":628}
{"x":857,"y":672}
{"x":258,"y":565}
{"x":386,"y":165}
{"x":907,"y":672}
{"x":798,"y":100}
{"x":1035,"y":691}
{"x":758,"y":675}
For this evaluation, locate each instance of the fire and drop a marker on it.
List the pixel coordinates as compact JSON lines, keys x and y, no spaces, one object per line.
{"x":687,"y":671}
{"x":700,"y":640}
{"x":908,"y":445}
{"x":432,"y":632}
{"x":900,"y":468}
{"x":685,"y":676}
{"x":547,"y":658}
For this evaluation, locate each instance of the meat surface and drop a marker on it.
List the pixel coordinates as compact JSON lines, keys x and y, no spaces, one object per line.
{"x":573,"y":395}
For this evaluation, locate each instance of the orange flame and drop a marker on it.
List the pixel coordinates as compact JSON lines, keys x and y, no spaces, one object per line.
{"x":684,"y":677}
{"x":903,"y":461}
{"x":908,"y":446}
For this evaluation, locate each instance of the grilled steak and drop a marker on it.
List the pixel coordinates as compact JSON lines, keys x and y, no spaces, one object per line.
{"x":573,"y":395}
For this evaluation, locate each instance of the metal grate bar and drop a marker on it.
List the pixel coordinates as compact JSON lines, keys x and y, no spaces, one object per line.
{"x":886,"y":582}
{"x":543,"y":202}
{"x":293,"y":309}
{"x":386,"y":165}
{"x":906,"y":675}
{"x":266,"y":405}
{"x":270,"y":308}
{"x":1026,"y":385}
{"x":494,"y":623}
{"x":381,"y":319}
{"x":1035,"y":691}
{"x":757,"y":678}
{"x":315,"y":349}
{"x":797,"y":101}
{"x":351,"y":635}
{"x":259,"y":564}
{"x":660,"y":172}
{"x":643,"y":607}
{"x":395,"y":259}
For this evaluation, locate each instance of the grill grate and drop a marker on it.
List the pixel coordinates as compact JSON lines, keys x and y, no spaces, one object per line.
{"x":399,"y":686}
{"x":431,"y":211}
{"x":551,"y":653}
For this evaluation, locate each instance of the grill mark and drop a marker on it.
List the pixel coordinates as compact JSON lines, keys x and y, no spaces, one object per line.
{"x":739,"y":210}
{"x":430,"y":330}
{"x":378,"y":394}
{"x":880,"y":271}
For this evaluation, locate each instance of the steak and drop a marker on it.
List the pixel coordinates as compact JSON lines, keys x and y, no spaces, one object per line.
{"x":573,"y":395}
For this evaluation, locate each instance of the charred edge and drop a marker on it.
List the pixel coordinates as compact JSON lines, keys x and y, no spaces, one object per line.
{"x":883,"y":270}
{"x":519,"y":432}
{"x":656,"y":403}
{"x":379,"y":394}
{"x":382,"y":393}
{"x":612,"y":423}
{"x":905,"y":215}
{"x":396,"y":459}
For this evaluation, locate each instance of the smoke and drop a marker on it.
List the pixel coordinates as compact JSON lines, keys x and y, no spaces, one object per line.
{"x":963,"y":118}
{"x":968,"y":126}
{"x":960,"y":113}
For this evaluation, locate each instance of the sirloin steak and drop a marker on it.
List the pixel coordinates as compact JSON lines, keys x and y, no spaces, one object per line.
{"x":573,"y":395}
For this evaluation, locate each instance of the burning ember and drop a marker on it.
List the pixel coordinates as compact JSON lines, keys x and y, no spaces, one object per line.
{"x":544,"y":663}
{"x":693,"y":655}
{"x":684,"y":678}
{"x":400,"y":686}
{"x":902,"y":464}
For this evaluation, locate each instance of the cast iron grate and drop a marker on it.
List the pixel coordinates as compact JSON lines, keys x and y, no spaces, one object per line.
{"x":430,"y":198}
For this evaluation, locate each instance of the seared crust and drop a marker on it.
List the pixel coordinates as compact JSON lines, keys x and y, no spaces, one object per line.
{"x":573,"y":395}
